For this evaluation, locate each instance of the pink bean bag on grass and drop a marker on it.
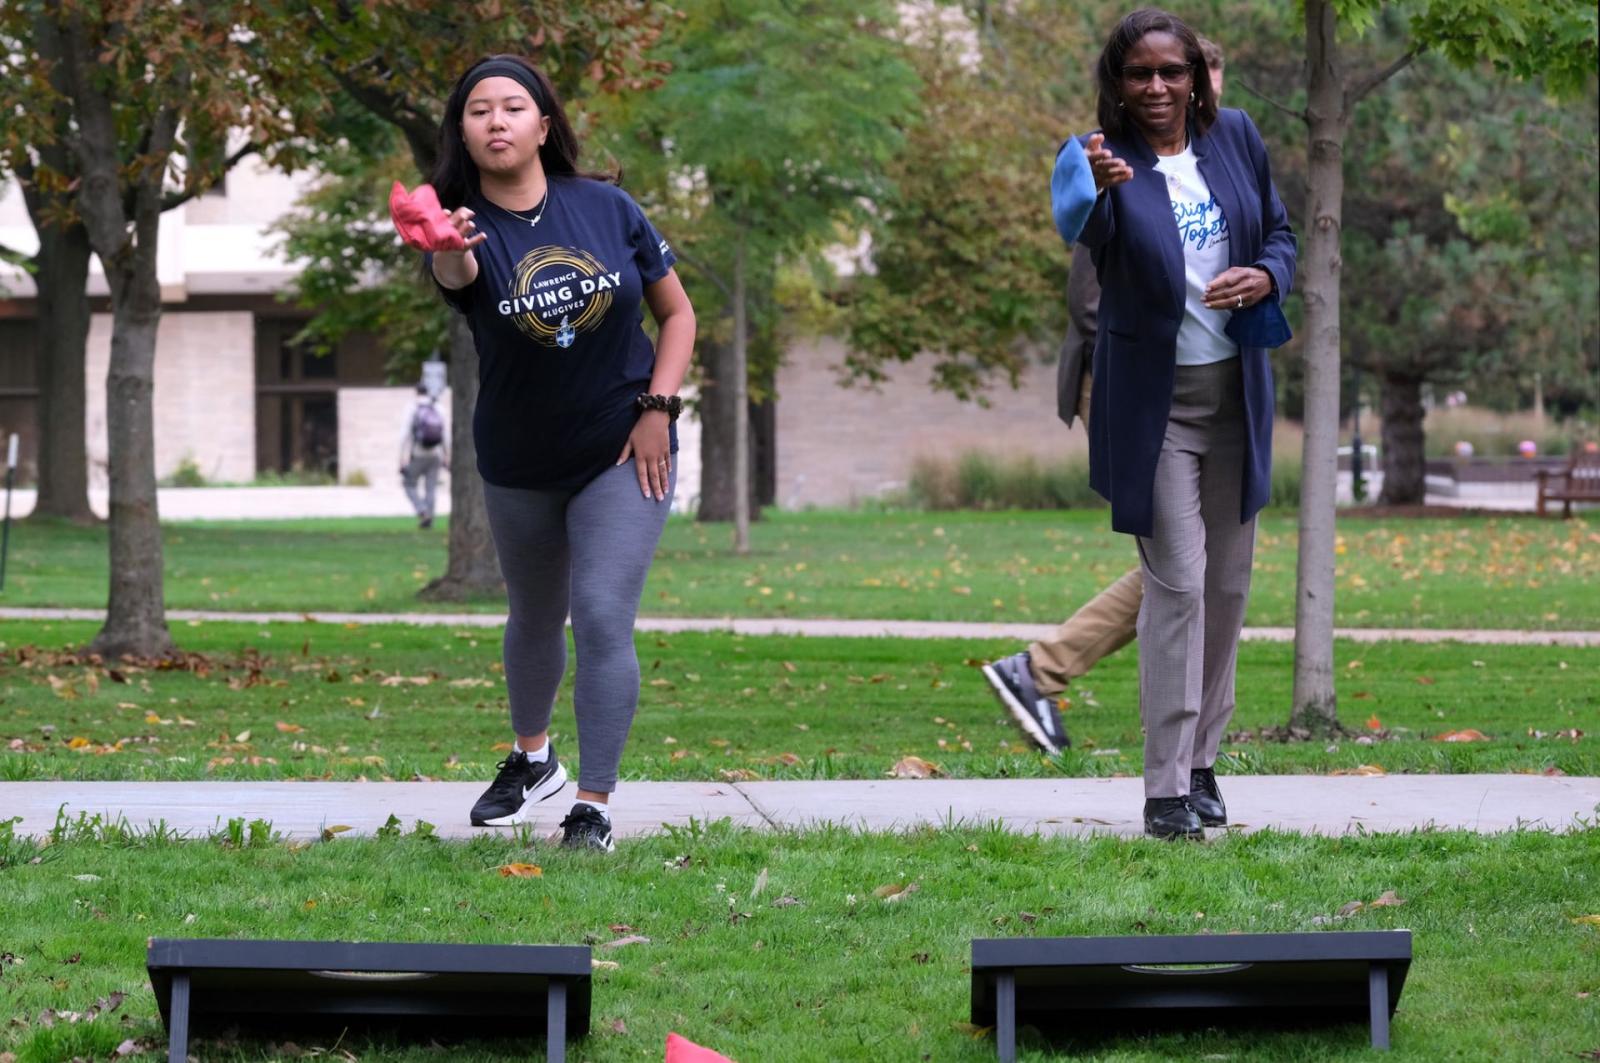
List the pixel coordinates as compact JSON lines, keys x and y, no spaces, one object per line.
{"x":421,"y":221}
{"x":682,"y":1050}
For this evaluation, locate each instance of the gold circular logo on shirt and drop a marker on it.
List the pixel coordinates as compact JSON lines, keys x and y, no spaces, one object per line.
{"x":560,"y":292}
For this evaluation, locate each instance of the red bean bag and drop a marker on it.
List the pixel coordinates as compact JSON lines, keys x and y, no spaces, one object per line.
{"x":421,"y":221}
{"x":681,"y":1050}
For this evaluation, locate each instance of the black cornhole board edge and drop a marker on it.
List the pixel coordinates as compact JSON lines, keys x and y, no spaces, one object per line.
{"x":565,"y":971}
{"x":996,"y":962}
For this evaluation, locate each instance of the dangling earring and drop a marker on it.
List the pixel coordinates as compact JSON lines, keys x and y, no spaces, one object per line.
{"x":1191,"y":97}
{"x":1120,"y":105}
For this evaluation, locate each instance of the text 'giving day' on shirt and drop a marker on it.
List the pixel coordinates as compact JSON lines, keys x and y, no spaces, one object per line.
{"x":1203,"y":229}
{"x":556,"y":315}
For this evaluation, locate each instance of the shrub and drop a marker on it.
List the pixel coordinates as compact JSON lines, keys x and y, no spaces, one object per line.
{"x":979,"y":480}
{"x":187,"y":474}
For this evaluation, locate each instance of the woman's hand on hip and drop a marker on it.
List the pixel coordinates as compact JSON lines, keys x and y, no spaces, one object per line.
{"x":650,"y":447}
{"x":1108,"y":170}
{"x":1238,"y":287}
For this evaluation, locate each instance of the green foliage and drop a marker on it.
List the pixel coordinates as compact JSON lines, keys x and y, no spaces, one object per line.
{"x":965,"y":264}
{"x":187,"y":474}
{"x":983,"y":481}
{"x":765,"y":144}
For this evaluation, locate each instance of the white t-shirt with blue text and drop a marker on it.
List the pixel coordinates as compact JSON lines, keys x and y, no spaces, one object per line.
{"x":1204,"y":232}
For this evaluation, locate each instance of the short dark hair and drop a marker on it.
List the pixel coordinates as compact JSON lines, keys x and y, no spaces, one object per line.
{"x":455,"y":176}
{"x":1108,"y":71}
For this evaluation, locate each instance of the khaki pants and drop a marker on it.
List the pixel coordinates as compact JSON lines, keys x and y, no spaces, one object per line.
{"x":1100,"y":628}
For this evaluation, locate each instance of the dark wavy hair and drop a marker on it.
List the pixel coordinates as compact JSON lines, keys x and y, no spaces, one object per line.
{"x":1202,"y":111}
{"x":455,"y":175}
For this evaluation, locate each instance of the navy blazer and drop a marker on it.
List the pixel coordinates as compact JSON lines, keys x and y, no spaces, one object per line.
{"x":1139,"y":259}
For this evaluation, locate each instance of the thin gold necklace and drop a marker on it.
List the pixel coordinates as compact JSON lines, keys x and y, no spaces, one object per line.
{"x":544,"y":201}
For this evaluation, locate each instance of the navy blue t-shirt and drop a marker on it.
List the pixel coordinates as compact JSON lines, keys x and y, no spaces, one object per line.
{"x":556,"y":314}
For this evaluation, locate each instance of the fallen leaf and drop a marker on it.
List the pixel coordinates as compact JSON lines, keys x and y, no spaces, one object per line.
{"x":915,"y":768}
{"x":329,"y":832}
{"x":1362,"y":769}
{"x":894,"y":891}
{"x":737,"y":774}
{"x":1373,"y":723}
{"x":618,"y":1026}
{"x":242,"y":736}
{"x":1425,"y":680}
{"x":1389,"y":899}
{"x":786,"y":901}
{"x":87,"y":878}
{"x":520,"y":871}
{"x":631,"y":939}
{"x":604,"y":965}
{"x":1349,"y":908}
{"x":761,"y":884}
{"x":1468,"y":735}
{"x":1587,"y":920}
{"x":288,"y":728}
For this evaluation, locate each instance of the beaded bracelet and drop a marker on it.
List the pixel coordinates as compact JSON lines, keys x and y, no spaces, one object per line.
{"x":671,"y":405}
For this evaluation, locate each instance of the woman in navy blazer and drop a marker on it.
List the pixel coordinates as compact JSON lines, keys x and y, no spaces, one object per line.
{"x":1194,"y":254}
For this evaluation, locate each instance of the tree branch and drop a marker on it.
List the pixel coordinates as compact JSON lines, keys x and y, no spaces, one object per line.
{"x":706,"y":271}
{"x":419,"y":129}
{"x":1363,"y":85}
{"x":1264,"y":98}
{"x":177,"y":199}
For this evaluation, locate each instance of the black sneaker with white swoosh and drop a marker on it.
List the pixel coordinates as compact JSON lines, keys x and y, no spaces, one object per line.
{"x":1011,"y":678}
{"x":519,"y":785}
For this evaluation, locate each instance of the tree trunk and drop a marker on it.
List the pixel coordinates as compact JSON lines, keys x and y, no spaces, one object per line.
{"x":136,"y":611}
{"x":741,"y":405}
{"x":763,"y":455}
{"x":715,"y":407}
{"x":1404,"y":470}
{"x":63,"y":327}
{"x":473,"y":569}
{"x":1315,"y":706}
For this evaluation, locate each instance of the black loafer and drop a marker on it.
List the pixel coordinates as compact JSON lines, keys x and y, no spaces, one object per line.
{"x":1206,"y":798}
{"x":1171,"y":818}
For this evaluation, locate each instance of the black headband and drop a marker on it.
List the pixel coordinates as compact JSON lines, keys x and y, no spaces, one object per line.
{"x":510,"y":68}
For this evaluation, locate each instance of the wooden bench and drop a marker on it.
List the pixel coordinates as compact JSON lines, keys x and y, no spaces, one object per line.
{"x":1578,"y":482}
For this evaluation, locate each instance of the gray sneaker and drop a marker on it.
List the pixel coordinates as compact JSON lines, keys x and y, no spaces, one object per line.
{"x":1012,"y":680}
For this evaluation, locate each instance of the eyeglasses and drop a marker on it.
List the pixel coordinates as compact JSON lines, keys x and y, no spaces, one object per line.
{"x":1171,"y":75}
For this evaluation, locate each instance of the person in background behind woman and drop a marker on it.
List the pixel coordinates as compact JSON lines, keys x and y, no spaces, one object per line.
{"x":1194,"y":254}
{"x":574,"y":419}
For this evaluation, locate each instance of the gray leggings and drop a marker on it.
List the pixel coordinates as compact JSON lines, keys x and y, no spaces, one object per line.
{"x":589,"y":551}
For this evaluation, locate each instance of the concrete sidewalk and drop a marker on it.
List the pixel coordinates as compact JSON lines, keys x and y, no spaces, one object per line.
{"x":1071,"y":807}
{"x":814,"y":627}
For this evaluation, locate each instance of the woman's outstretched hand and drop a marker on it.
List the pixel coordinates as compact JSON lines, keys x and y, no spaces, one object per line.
{"x":1108,"y":170}
{"x":423,"y":224}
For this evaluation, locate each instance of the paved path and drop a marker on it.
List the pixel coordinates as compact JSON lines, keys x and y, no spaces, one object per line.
{"x":915,"y":629}
{"x":1305,"y":803}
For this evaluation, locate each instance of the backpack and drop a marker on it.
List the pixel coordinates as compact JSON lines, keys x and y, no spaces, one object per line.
{"x":427,"y":426}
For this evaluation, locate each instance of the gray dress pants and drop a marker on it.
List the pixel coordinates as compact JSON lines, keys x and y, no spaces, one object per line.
{"x":1196,"y":567}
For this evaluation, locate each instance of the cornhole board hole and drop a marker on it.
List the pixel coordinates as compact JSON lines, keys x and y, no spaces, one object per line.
{"x":1091,"y":988}
{"x":281,"y":988}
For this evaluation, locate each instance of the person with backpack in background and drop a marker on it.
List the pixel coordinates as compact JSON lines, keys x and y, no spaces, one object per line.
{"x":423,"y":452}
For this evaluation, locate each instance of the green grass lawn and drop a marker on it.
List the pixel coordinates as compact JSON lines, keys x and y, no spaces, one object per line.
{"x":817,"y":967}
{"x":330,"y":701}
{"x":1517,"y":572}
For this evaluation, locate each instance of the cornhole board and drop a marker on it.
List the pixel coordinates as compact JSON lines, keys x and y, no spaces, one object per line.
{"x":1097,"y":987}
{"x":275,"y":988}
